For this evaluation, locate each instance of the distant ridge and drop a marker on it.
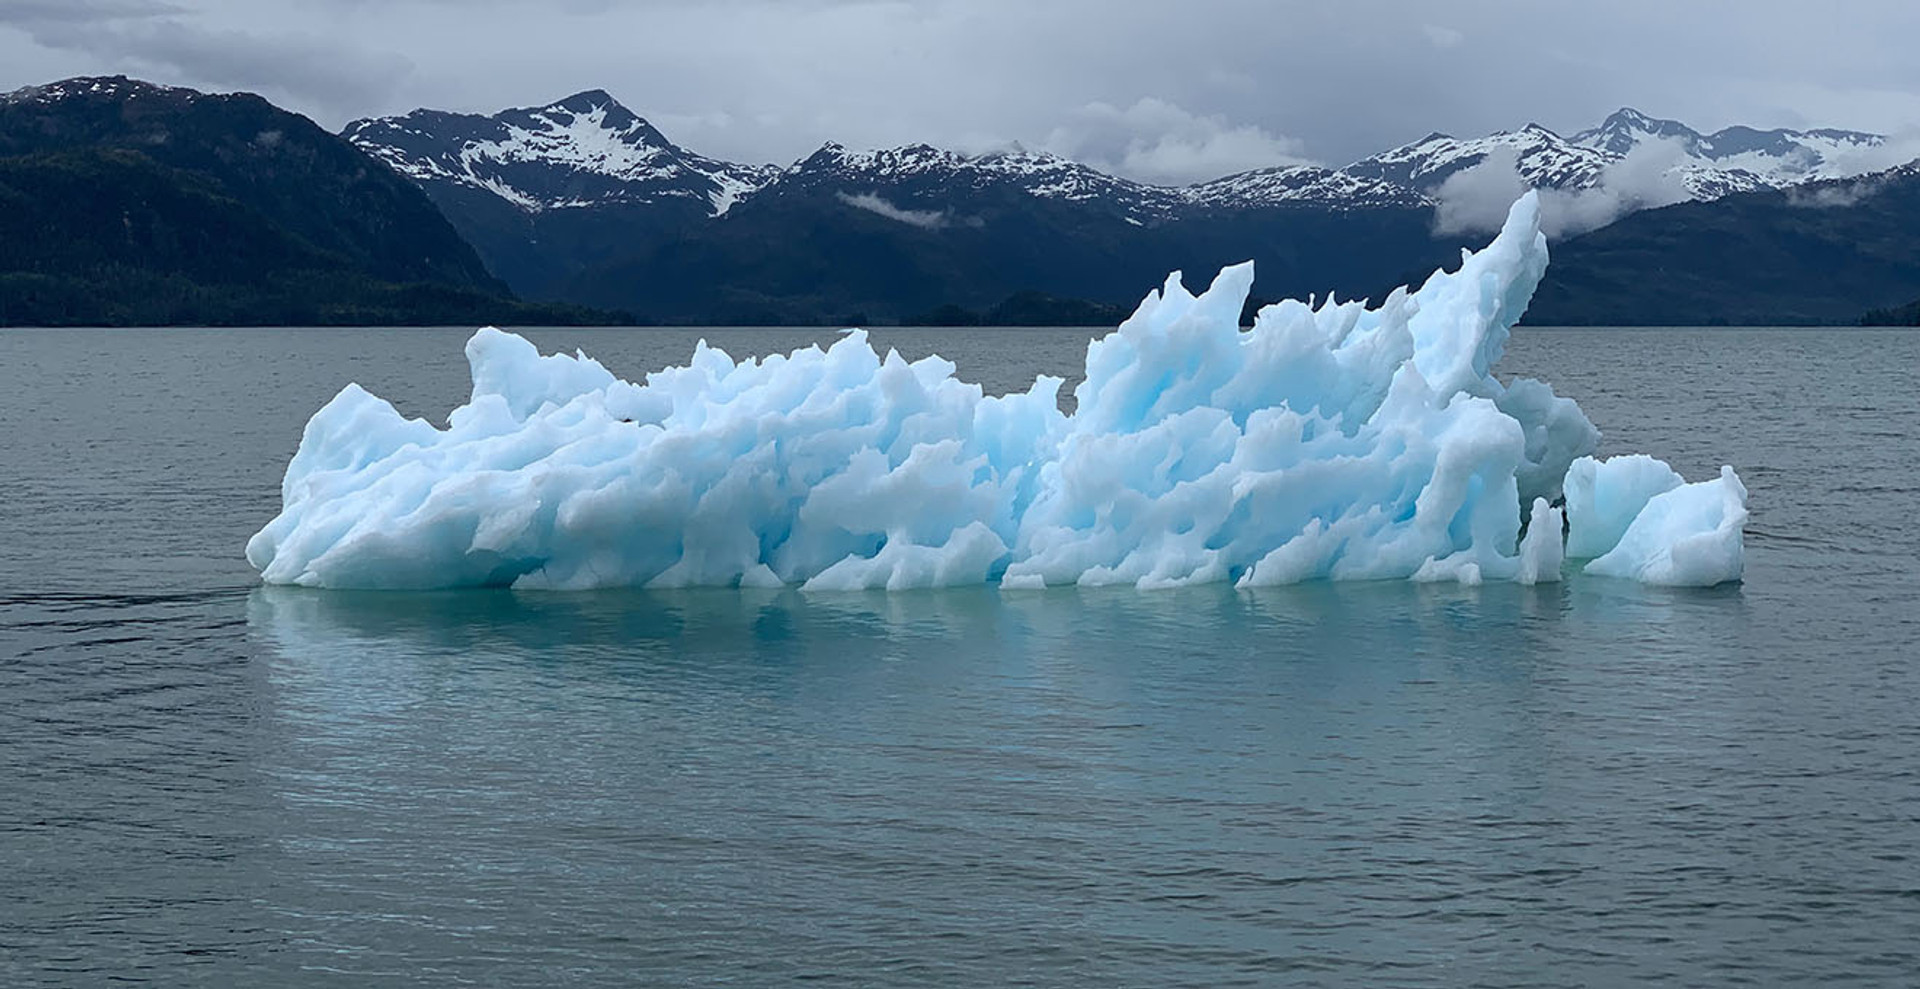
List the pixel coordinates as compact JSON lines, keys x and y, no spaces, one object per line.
{"x":124,"y":202}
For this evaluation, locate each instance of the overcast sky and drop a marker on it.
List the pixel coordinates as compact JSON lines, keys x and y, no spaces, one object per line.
{"x":1159,"y":91}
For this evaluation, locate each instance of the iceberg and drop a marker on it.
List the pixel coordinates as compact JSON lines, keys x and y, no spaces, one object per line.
{"x":1326,"y":442}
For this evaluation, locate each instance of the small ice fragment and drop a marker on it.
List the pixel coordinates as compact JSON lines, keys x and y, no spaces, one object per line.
{"x":1687,"y":536}
{"x":1604,"y":496}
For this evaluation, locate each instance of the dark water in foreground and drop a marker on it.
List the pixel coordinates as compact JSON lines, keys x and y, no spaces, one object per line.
{"x":1585,"y":784}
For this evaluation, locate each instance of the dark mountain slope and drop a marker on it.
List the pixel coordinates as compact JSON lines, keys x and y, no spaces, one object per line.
{"x":127,"y":203}
{"x":1819,"y":254}
{"x":823,"y":242}
{"x":585,"y":201}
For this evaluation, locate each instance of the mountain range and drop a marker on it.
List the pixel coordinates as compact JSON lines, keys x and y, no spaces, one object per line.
{"x":128,"y":202}
{"x":589,"y":151}
{"x":582,"y":200}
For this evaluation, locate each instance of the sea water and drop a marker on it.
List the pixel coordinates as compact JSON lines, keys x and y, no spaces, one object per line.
{"x":203,"y":781}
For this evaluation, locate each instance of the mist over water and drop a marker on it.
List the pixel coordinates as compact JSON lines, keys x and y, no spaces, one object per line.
{"x":1591,"y":783}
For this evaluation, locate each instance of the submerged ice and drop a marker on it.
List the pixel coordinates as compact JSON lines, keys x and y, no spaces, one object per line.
{"x":1333,"y":442}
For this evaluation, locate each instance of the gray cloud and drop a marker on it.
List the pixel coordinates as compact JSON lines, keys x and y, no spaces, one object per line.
{"x":175,"y":44}
{"x":18,"y":12}
{"x":1210,"y":85}
{"x":1158,"y":141}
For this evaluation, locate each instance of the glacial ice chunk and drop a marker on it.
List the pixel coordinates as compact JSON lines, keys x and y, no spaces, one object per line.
{"x":1605,"y":496}
{"x":1332,"y":442}
{"x":1686,"y":536}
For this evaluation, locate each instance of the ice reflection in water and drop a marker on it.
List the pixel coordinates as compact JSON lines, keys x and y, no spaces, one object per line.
{"x":1065,"y":786}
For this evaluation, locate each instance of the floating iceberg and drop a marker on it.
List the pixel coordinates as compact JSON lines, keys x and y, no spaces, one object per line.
{"x":1332,"y":442}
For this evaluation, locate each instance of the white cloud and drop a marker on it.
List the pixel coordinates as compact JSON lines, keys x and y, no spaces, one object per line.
{"x":1158,"y":141}
{"x":925,"y":219}
{"x":1475,"y":199}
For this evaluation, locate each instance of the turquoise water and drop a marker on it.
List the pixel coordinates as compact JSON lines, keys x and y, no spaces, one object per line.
{"x":1593,"y":783}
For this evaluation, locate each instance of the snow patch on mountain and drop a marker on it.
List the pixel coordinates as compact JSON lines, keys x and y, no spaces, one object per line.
{"x":924,"y":175}
{"x":112,"y":87}
{"x":584,"y":151}
{"x":1303,"y":185}
{"x":1542,"y":159}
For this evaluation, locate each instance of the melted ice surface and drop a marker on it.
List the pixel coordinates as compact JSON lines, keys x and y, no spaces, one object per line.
{"x":1332,"y":442}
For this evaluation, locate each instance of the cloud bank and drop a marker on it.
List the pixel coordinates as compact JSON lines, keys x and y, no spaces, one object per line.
{"x":1475,"y":200}
{"x":173,"y":43}
{"x":1156,"y":91}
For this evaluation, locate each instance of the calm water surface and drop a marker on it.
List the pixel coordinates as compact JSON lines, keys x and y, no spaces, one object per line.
{"x":206,"y":782}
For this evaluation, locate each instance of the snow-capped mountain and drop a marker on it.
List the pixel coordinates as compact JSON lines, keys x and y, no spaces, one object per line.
{"x":1626,"y":129}
{"x":1775,"y":158}
{"x":920,"y":176}
{"x":586,"y":150}
{"x":1705,"y":166}
{"x":1543,"y":159}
